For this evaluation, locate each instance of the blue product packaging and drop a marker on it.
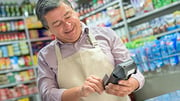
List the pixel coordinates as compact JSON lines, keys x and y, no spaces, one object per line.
{"x":171,"y":51}
{"x":14,"y":62}
{"x":164,"y":52}
{"x":134,"y":55}
{"x":136,"y":60}
{"x":143,"y":59}
{"x":157,"y":57}
{"x":4,"y":51}
{"x":139,"y":60}
{"x":149,"y":56}
{"x":178,"y":45}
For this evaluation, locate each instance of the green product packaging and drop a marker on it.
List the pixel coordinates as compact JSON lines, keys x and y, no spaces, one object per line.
{"x":11,"y":78}
{"x":165,"y":3}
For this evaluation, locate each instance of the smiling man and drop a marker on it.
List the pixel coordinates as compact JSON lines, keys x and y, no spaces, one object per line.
{"x":71,"y":67}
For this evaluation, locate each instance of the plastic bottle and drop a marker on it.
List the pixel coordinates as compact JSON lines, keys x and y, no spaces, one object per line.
{"x":164,"y":52}
{"x":178,"y":45}
{"x":157,"y":54}
{"x":171,"y":50}
{"x":3,"y":11}
{"x":149,"y":55}
{"x":12,"y":9}
{"x":7,"y":9}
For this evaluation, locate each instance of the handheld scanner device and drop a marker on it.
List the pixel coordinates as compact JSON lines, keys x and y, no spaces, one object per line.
{"x":122,"y":71}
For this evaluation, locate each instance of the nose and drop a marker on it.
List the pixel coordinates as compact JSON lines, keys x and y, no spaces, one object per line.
{"x":67,"y":26}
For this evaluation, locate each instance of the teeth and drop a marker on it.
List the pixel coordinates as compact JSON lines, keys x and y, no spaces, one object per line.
{"x":68,"y":23}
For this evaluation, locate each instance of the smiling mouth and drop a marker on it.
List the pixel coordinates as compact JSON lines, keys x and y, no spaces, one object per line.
{"x":69,"y":31}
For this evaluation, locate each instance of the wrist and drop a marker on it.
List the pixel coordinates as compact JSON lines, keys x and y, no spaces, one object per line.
{"x":135,"y":83}
{"x":80,"y":92}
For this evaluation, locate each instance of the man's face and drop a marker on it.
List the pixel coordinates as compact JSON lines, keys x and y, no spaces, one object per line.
{"x":64,"y":23}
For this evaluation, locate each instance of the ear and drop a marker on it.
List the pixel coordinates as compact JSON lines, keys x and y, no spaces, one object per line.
{"x":50,"y":32}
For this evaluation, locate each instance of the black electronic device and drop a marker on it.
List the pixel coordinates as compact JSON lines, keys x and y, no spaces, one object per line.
{"x":122,"y":71}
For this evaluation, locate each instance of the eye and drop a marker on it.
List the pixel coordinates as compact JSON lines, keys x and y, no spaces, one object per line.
{"x":57,"y":24}
{"x":68,"y":17}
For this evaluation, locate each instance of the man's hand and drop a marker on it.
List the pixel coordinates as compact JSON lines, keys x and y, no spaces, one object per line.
{"x":91,"y":85}
{"x":124,"y":87}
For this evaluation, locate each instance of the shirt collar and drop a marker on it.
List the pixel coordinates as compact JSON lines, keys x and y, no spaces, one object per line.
{"x":85,"y":30}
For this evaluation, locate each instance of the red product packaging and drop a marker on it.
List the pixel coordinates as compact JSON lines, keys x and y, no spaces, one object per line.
{"x":18,"y":91}
{"x":3,"y":94}
{"x":25,"y":90}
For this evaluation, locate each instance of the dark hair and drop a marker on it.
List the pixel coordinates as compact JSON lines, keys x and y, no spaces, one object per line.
{"x":44,"y":6}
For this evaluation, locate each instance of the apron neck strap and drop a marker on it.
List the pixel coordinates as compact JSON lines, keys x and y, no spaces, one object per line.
{"x":58,"y":54}
{"x":92,"y":39}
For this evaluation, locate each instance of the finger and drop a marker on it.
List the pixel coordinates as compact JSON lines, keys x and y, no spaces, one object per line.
{"x":119,"y":88}
{"x":124,"y":83}
{"x":86,"y":90}
{"x":95,"y":87}
{"x":113,"y":86}
{"x":88,"y":87}
{"x":116,"y":92}
{"x":94,"y":77}
{"x":96,"y":81}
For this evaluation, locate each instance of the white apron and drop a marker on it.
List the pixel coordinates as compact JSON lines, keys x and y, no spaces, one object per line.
{"x":73,"y":70}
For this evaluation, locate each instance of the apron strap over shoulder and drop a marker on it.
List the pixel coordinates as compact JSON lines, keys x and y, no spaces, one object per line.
{"x":92,"y":39}
{"x":58,"y":54}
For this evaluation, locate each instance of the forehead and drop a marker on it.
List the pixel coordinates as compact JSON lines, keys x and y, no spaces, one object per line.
{"x":59,"y":11}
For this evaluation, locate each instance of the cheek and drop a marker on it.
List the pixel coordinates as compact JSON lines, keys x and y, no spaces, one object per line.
{"x":56,"y":31}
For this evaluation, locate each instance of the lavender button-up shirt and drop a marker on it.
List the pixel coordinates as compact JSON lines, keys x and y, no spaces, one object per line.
{"x":109,"y":42}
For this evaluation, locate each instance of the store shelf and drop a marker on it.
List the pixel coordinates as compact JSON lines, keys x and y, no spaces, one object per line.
{"x":14,"y":99}
{"x":15,"y":70}
{"x":41,"y":39}
{"x":174,"y":70}
{"x":158,"y":83}
{"x":11,"y":18}
{"x":16,"y":83}
{"x":166,"y":33}
{"x":99,"y":9}
{"x":153,"y":12}
{"x":118,"y":25}
{"x":11,"y":42}
{"x":21,"y":30}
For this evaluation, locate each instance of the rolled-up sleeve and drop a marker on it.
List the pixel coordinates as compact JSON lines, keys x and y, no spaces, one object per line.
{"x":138,"y":76}
{"x":47,"y":83}
{"x":122,"y":54}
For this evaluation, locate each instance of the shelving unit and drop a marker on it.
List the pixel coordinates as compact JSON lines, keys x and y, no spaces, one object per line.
{"x":41,"y":39}
{"x":99,"y":9}
{"x":11,"y":18}
{"x":15,"y":70}
{"x":16,"y":83}
{"x":14,"y":99}
{"x":137,"y":19}
{"x":19,"y":69}
{"x":118,"y":25}
{"x":166,"y":33}
{"x":154,"y":12}
{"x":11,"y":42}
